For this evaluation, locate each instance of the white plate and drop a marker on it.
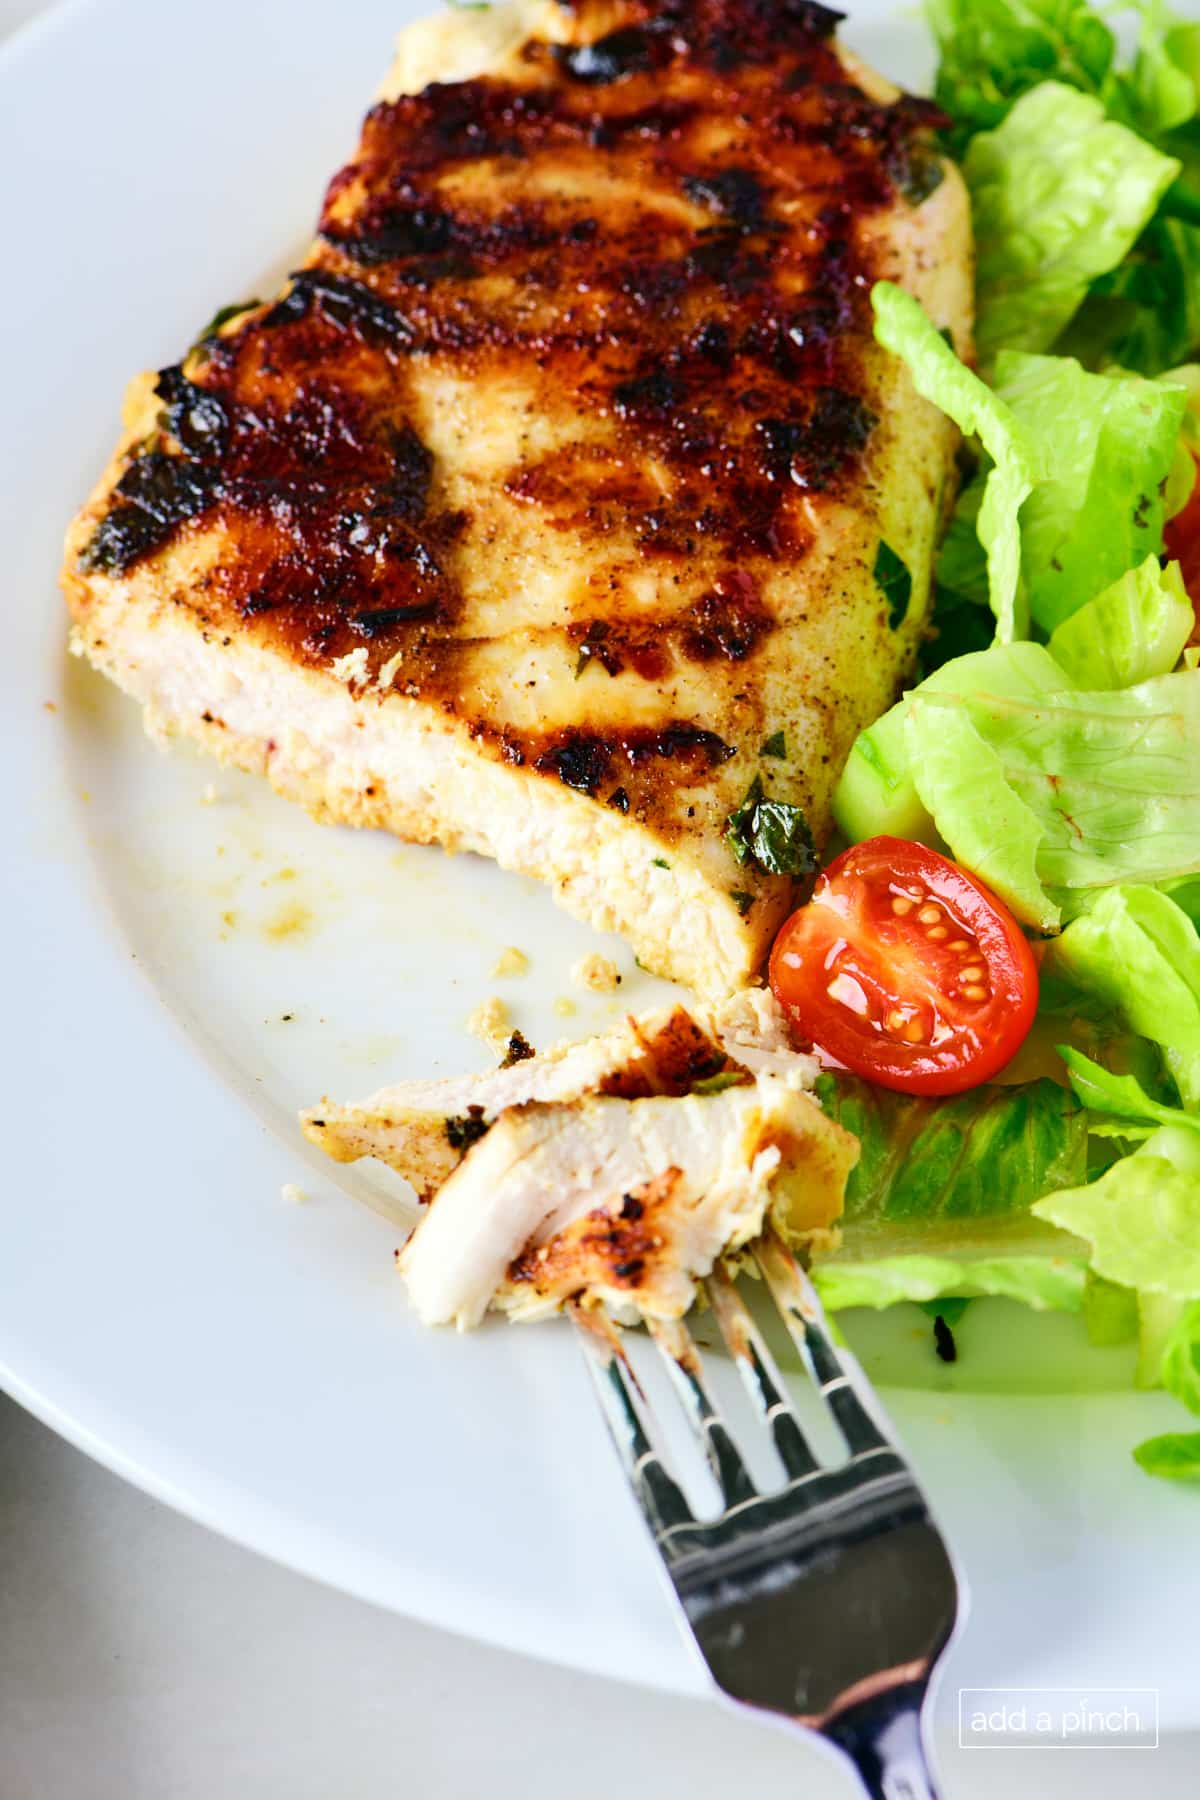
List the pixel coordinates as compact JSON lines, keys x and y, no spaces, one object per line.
{"x":250,"y":1360}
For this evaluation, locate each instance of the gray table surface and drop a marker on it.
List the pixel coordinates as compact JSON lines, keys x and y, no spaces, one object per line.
{"x":144,"y":1658}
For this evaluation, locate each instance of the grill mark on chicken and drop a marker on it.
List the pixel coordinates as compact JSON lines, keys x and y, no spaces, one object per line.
{"x":578,"y":371}
{"x":286,"y":425}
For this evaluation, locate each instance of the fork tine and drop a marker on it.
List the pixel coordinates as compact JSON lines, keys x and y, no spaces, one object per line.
{"x":624,"y":1404}
{"x":682,"y":1358}
{"x":797,"y":1301}
{"x":760,"y":1374}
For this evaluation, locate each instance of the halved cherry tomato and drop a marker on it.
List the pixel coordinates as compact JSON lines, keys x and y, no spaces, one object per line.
{"x":906,"y":970}
{"x":1182,"y":540}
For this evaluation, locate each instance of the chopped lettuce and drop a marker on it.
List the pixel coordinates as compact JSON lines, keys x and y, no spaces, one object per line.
{"x":1163,"y":87}
{"x":1175,"y":1455}
{"x":1145,"y":314}
{"x":1060,"y":194}
{"x":1118,"y":1105}
{"x":1107,"y":447}
{"x":1143,"y":311}
{"x":1051,"y":1282}
{"x":1180,"y":1368}
{"x":1075,"y":494}
{"x":992,"y":51}
{"x":940,"y":1200}
{"x":1031,"y":783}
{"x":1142,"y":1217}
{"x":1110,"y":1312}
{"x":877,"y":791}
{"x":1139,"y":952}
{"x":903,"y":327}
{"x":1106,"y":816}
{"x":1132,"y":631}
{"x":963,"y":784}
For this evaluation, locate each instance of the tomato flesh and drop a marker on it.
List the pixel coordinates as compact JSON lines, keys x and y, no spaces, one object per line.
{"x":906,"y":970}
{"x":1182,"y":541}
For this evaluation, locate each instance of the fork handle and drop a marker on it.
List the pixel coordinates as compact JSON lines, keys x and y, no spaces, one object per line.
{"x":884,"y":1741}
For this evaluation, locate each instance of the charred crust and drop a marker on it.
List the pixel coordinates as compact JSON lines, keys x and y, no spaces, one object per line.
{"x":465,"y":1129}
{"x":713,"y":344}
{"x":519,"y":1050}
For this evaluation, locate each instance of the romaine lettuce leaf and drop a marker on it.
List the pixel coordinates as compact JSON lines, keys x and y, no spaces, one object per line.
{"x":903,"y":327}
{"x":1142,"y":1217}
{"x":1134,"y":630}
{"x":1113,"y":780}
{"x":1049,"y":1282}
{"x":940,"y":1200}
{"x":1139,"y":953}
{"x":1145,"y":314}
{"x":963,"y":784}
{"x":1163,"y":87}
{"x":1060,"y":194}
{"x":1118,"y":1105}
{"x":1180,"y":1368}
{"x":1110,"y":1313}
{"x":1107,"y":446}
{"x":877,"y":791}
{"x":1176,"y":1455}
{"x":992,"y":51}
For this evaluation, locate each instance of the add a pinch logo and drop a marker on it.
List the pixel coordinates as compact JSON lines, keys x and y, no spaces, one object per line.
{"x":1058,"y":1718}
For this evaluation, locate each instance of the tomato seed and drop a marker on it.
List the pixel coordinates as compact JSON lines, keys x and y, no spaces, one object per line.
{"x":974,"y":993}
{"x":930,"y":915}
{"x":938,"y":932}
{"x":900,"y":906}
{"x":972,"y":974}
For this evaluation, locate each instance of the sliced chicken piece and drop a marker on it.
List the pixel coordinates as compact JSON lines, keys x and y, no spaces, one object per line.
{"x":625,"y":1203}
{"x":422,"y":1129}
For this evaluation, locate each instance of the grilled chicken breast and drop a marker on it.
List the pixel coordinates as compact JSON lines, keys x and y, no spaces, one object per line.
{"x":539,"y":515}
{"x":423,"y":1129}
{"x":623,"y":1203}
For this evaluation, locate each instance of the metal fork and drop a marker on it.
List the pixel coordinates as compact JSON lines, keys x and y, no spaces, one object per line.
{"x":827,"y":1601}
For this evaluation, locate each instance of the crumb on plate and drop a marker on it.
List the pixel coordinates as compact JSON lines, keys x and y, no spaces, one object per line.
{"x":511,"y":961}
{"x":599,"y":973}
{"x":490,"y":1023}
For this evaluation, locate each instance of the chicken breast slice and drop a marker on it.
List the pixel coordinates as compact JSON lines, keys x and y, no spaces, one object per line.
{"x":552,"y":488}
{"x":422,"y":1129}
{"x":624,"y":1203}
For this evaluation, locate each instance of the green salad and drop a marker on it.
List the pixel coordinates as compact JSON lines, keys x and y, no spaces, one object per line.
{"x":1051,"y":747}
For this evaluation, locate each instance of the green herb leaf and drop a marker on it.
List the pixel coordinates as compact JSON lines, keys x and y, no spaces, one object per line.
{"x":716,"y":1084}
{"x":742,"y":900}
{"x":775,"y":745}
{"x":223,"y":315}
{"x":895,"y":583}
{"x":660,"y":862}
{"x":771,"y":834}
